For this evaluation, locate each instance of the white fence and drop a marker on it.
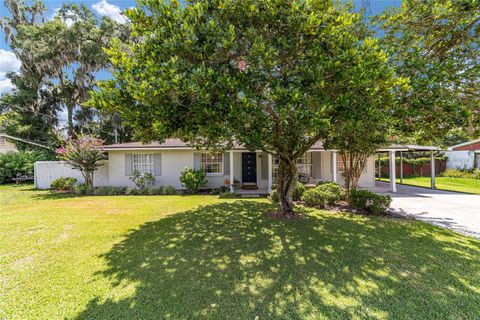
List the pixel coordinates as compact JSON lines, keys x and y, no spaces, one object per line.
{"x":47,"y":171}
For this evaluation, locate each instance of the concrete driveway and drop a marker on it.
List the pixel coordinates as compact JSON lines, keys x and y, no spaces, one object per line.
{"x":457,"y":211}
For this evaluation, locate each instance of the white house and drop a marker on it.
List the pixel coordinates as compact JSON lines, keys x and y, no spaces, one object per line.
{"x":240,"y":167}
{"x":464,"y":156}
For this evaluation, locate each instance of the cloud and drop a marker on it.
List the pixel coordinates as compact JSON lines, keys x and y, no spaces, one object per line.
{"x":8,"y":63}
{"x":104,"y":8}
{"x":68,"y":21}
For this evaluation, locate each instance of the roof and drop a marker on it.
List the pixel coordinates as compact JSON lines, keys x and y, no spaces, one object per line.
{"x":177,"y":144}
{"x":408,"y":147}
{"x":464,"y":144}
{"x":174,"y":144}
{"x":24,"y":141}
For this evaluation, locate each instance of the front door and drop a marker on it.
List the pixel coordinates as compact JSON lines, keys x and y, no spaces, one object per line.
{"x":249,"y":168}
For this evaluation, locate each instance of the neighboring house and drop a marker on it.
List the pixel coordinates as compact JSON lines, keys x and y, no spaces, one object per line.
{"x":464,"y":156}
{"x":246,"y":169}
{"x":7,"y":143}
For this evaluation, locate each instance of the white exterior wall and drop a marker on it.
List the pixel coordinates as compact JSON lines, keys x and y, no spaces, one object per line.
{"x":460,"y":159}
{"x":367,"y":179}
{"x":46,"y":172}
{"x":6,"y":146}
{"x":172,"y":163}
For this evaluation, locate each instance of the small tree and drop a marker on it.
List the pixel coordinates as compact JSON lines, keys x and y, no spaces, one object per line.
{"x":84,"y":153}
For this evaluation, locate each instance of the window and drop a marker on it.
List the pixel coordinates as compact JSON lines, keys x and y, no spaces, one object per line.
{"x":143,"y":163}
{"x":340,"y":164}
{"x":212,"y":163}
{"x":304,"y":165}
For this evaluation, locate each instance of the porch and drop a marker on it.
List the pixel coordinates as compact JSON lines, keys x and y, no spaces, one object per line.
{"x":253,"y":173}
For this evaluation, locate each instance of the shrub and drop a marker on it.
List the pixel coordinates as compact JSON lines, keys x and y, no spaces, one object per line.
{"x":454,"y":173}
{"x":192,"y":180}
{"x":16,"y":164}
{"x":83,"y":190}
{"x":467,"y":174}
{"x":476,"y":174}
{"x":131,"y":191}
{"x":370,"y":202}
{"x":63,"y":184}
{"x":334,"y":190}
{"x":324,"y":193}
{"x":109,"y":191}
{"x":298,"y":191}
{"x":142,"y":181}
{"x":169,"y":190}
{"x":315,"y":197}
{"x":274,"y":196}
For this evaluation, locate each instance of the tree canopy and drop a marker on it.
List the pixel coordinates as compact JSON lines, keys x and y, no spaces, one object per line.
{"x":59,"y":61}
{"x":435,"y":45}
{"x":269,"y":74}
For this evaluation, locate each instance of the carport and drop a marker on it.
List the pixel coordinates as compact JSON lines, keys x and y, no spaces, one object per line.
{"x":392,"y":151}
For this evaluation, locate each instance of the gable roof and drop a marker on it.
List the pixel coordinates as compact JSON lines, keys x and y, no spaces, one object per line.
{"x":464,"y":144}
{"x":24,"y":141}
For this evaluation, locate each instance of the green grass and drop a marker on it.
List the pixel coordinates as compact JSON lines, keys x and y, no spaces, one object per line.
{"x":200,"y":257}
{"x":444,"y":183}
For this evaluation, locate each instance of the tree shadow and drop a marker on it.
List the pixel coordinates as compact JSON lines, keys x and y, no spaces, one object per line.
{"x":230,"y":261}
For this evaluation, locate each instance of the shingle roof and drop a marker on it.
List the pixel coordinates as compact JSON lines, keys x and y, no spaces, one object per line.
{"x":175,"y":144}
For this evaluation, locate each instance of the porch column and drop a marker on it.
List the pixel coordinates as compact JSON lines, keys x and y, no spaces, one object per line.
{"x":334,"y":166}
{"x":393,"y":182}
{"x":231,"y":172}
{"x":432,"y":170}
{"x":401,"y":167}
{"x":270,"y":160}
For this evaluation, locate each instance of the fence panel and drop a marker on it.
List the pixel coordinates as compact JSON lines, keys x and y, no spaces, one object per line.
{"x":47,"y":171}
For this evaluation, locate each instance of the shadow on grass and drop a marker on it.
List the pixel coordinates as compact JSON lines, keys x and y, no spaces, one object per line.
{"x":229,"y":261}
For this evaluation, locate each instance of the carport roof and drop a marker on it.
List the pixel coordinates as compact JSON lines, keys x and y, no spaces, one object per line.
{"x":408,"y":147}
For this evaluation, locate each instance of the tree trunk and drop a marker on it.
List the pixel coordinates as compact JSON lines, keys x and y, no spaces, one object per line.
{"x":88,"y":176}
{"x":354,"y":163}
{"x":70,"y":120}
{"x":286,"y":179}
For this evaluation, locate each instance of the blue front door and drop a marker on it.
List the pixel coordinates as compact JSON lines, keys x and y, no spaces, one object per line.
{"x":249,"y":167}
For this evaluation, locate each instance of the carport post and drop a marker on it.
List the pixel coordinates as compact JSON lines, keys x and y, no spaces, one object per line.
{"x":393,"y":182}
{"x":401,"y":167}
{"x":432,"y":170}
{"x":232,"y":177}
{"x":334,"y":166}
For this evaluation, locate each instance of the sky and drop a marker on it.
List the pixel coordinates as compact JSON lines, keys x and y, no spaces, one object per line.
{"x":112,"y":9}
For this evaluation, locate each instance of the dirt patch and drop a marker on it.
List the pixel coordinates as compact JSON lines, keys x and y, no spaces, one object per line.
{"x":280,"y":216}
{"x":23,"y":263}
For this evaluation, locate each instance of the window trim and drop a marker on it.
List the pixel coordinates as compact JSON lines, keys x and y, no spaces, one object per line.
{"x":221,"y":162}
{"x":151,"y":163}
{"x":307,"y":155}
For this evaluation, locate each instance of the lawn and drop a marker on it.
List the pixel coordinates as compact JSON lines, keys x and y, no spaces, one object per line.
{"x":444,"y":183}
{"x":201,"y":257}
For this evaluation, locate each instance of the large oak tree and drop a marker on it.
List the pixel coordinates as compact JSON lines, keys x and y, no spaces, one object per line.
{"x":270,"y":74}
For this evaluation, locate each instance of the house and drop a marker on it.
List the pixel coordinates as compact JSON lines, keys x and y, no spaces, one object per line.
{"x":238,"y":167}
{"x":464,"y":156}
{"x":7,"y":143}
